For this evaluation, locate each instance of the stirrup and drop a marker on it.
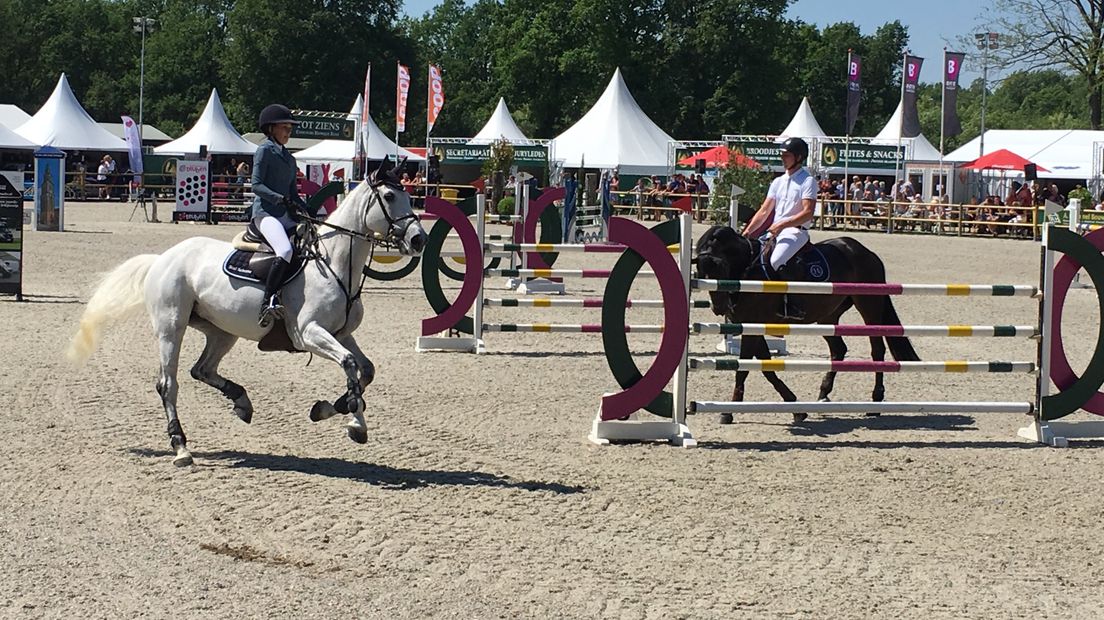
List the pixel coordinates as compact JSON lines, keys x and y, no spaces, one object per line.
{"x":270,"y":312}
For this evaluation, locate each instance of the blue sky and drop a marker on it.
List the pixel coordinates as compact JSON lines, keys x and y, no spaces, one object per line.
{"x":932,"y":24}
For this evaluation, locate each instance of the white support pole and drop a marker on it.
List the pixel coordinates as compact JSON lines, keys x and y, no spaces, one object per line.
{"x":678,"y":416}
{"x":480,"y":230}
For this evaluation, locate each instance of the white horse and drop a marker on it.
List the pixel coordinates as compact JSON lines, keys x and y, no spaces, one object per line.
{"x":186,"y":287}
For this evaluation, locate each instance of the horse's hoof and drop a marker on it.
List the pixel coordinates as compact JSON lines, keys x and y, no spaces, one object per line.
{"x":322,"y":410}
{"x":726,"y":418}
{"x":244,"y":414}
{"x":183,"y":458}
{"x":358,"y":435}
{"x":798,"y":418}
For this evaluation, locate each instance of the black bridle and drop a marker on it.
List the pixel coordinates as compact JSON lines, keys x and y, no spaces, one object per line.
{"x":395,"y":234}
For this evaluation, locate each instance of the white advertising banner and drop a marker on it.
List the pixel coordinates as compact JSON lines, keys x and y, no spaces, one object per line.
{"x":192,"y":194}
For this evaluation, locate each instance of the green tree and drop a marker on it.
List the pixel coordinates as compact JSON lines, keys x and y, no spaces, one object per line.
{"x":181,"y":69}
{"x":309,"y":54}
{"x":1062,"y":33}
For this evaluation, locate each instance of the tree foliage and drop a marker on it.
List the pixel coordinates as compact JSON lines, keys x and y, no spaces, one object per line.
{"x":1062,"y":33}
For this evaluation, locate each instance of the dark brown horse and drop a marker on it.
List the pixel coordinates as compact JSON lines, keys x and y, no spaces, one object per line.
{"x":724,"y":254}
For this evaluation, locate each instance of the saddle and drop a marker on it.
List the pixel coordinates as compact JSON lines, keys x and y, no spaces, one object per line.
{"x":251,"y":259}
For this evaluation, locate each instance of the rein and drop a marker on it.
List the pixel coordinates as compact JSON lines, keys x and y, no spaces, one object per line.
{"x":311,"y":246}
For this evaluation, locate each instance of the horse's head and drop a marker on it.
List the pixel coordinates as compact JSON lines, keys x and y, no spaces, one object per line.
{"x":723,"y":254}
{"x":389,"y":212}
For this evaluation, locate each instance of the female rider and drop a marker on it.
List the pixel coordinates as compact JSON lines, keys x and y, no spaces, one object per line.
{"x":275,"y":200}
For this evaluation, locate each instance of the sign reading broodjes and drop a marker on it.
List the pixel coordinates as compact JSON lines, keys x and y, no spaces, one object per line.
{"x":11,"y":239}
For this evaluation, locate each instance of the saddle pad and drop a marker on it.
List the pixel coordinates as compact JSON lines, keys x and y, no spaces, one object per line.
{"x":251,"y":267}
{"x":816,"y":265}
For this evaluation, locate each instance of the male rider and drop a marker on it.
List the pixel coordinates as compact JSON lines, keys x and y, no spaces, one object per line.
{"x":791,"y":198}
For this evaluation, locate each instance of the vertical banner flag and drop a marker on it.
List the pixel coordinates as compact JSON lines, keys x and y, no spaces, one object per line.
{"x":360,"y":147}
{"x":910,"y":115}
{"x":134,"y":145}
{"x":854,"y":73}
{"x":436,"y":97}
{"x":952,"y":65}
{"x":401,"y":91}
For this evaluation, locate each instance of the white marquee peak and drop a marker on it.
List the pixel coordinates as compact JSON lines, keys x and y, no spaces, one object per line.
{"x":213,"y":130}
{"x":63,"y":123}
{"x":615,"y":133}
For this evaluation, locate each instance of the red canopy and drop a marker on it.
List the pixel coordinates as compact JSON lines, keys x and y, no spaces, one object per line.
{"x":1001,"y":160}
{"x":719,"y":156}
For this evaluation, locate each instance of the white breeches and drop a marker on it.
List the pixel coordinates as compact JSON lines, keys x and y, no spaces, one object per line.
{"x":276,"y":236}
{"x":786,"y":244}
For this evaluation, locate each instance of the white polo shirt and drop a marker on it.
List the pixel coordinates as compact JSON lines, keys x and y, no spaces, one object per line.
{"x":789,"y":190}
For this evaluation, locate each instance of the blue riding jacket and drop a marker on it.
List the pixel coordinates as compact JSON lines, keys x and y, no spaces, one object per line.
{"x":274,"y":173}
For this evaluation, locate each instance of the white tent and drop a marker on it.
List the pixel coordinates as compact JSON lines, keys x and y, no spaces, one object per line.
{"x":11,"y":140}
{"x":12,"y":116}
{"x":500,"y":125}
{"x":803,"y":125}
{"x":916,"y":149}
{"x":1065,"y":153}
{"x":614,"y":133}
{"x":213,"y":130}
{"x":61,"y":122}
{"x":379,"y":145}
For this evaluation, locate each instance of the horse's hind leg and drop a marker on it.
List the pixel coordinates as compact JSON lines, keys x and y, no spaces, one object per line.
{"x":218,"y":345}
{"x":170,"y":332}
{"x":838,"y":350}
{"x":877,"y":353}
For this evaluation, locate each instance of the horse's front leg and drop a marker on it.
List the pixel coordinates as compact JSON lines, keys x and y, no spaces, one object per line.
{"x":838,"y":351}
{"x":322,"y":409}
{"x":759,"y":349}
{"x":317,"y":340}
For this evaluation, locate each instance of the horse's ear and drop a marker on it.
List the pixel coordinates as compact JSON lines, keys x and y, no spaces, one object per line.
{"x":401,"y":163}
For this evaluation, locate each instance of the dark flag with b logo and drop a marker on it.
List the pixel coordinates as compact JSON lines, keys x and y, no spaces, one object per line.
{"x":910,"y":119}
{"x":854,"y":71}
{"x":952,"y":65}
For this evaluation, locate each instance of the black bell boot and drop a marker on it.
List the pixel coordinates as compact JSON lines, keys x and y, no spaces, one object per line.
{"x":271,"y":308}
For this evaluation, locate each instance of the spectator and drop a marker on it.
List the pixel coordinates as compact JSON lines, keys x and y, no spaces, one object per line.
{"x":102,"y":173}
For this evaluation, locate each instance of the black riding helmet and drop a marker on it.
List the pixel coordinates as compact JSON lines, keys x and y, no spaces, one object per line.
{"x":798,"y":147}
{"x":273,"y":114}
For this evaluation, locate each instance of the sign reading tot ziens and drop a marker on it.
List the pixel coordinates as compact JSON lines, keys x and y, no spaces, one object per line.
{"x":318,"y":128}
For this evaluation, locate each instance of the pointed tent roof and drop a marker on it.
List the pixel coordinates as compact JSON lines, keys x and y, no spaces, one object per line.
{"x":12,"y":116}
{"x":379,"y":145}
{"x":803,"y":124}
{"x":614,"y":133}
{"x":500,"y":125}
{"x":918,"y":148}
{"x":62,"y":122}
{"x":213,"y":130}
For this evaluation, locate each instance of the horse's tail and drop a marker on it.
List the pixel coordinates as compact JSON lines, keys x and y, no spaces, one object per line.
{"x":119,"y":294}
{"x":900,"y":347}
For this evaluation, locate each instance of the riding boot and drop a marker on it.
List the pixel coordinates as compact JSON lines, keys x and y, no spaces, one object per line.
{"x":792,"y":308}
{"x":271,"y":308}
